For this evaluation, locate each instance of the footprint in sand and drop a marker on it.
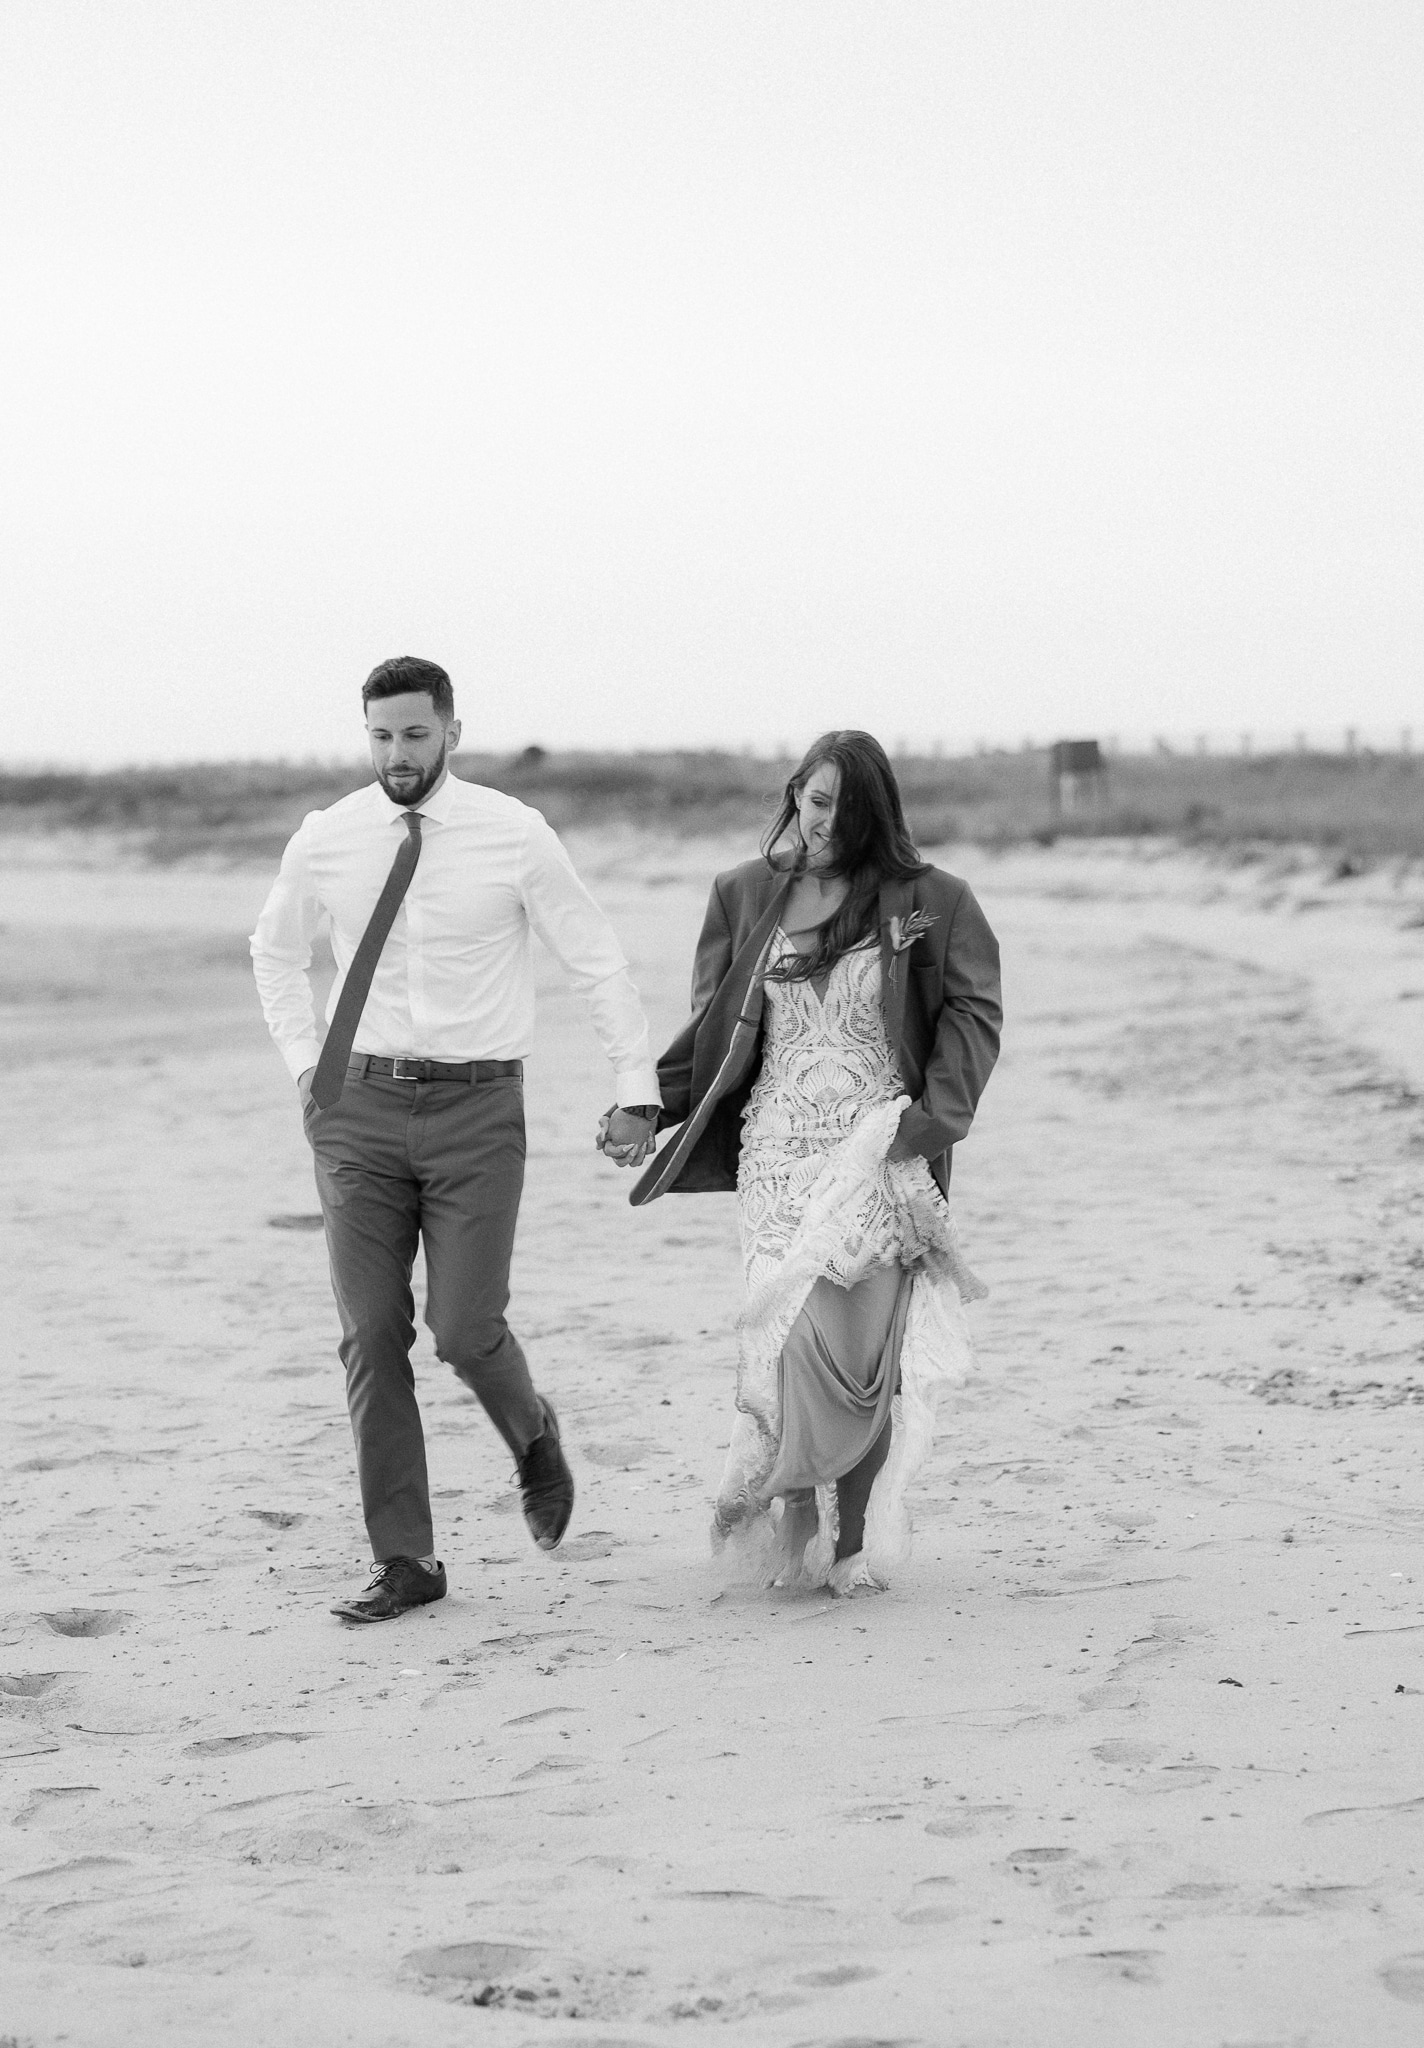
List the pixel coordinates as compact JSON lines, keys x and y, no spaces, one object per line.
{"x":77,"y":1866}
{"x":1174,"y":1778}
{"x":1404,"y":1978}
{"x":333,"y":1837}
{"x":1203,"y":1894}
{"x":470,"y":1962}
{"x":49,"y":1803}
{"x":721,"y":1897}
{"x":1363,"y":1812}
{"x":29,"y":1685}
{"x":832,"y":1978}
{"x":1127,"y":1749}
{"x":622,"y":1456}
{"x":276,"y":1518}
{"x":86,"y":1621}
{"x":937,"y":1912}
{"x":1330,"y":1898}
{"x":967,"y":1820}
{"x":1115,"y":1965}
{"x":1035,"y":1862}
{"x":589,"y":1549}
{"x":546,"y":1765}
{"x":229,"y":1745}
{"x":306,"y":1221}
{"x":861,"y":2041}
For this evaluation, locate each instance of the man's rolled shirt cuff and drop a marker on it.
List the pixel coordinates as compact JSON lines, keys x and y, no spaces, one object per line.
{"x":301,"y":1054}
{"x":636,"y":1087}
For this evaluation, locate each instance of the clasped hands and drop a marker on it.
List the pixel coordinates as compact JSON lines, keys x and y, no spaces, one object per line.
{"x":628,"y":1139}
{"x":625,"y":1137}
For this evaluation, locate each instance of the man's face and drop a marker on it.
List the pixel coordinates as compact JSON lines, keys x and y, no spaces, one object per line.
{"x":409,"y":743}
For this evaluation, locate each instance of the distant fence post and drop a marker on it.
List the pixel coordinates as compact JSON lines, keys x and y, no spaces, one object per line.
{"x":1077,"y":775}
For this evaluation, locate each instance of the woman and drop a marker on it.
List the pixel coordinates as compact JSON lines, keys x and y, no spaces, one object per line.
{"x":845,"y":1020}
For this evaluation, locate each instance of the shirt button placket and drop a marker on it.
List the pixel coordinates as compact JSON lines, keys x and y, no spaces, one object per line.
{"x":415,"y":969}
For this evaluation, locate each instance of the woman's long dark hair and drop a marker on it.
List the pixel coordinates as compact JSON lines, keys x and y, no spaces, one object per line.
{"x":870,"y":844}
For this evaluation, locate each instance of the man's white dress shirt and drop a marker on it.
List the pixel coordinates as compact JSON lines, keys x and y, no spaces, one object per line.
{"x":455,"y":979}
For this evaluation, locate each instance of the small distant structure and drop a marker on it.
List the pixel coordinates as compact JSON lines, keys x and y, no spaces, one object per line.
{"x":1077,"y":776}
{"x":531,"y":757}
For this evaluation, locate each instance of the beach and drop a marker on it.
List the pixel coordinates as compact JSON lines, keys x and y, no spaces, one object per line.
{"x":1129,"y":1752}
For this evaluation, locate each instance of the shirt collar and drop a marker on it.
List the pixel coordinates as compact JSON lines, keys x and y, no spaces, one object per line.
{"x":437,"y":805}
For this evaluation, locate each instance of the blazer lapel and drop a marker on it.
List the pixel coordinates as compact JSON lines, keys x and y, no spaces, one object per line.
{"x":733,"y":1042}
{"x":896,"y":900}
{"x":744,"y":983}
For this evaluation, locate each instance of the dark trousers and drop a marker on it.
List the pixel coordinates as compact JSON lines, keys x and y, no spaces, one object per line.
{"x":396,"y":1161}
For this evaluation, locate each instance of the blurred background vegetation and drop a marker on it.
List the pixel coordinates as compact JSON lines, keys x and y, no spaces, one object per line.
{"x":1368,"y":806}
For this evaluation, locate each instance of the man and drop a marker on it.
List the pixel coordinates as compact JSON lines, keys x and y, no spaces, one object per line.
{"x":414,"y":1106}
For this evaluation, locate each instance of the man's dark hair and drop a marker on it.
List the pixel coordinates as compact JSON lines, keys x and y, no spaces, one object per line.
{"x":407,"y":673}
{"x":870,"y":844}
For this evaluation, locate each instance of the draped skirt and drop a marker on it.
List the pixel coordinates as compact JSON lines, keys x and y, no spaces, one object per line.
{"x":850,"y":1328}
{"x":839,"y":1374}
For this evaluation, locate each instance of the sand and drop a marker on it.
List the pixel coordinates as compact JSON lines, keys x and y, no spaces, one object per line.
{"x":1129,"y":1754}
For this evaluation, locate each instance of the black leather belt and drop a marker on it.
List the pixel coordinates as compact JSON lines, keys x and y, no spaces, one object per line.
{"x":435,"y":1070}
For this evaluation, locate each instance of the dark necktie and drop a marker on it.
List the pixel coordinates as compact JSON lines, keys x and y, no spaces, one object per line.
{"x":330,"y":1076}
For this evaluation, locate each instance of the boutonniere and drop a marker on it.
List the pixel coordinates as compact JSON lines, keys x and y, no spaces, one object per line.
{"x":905,"y":931}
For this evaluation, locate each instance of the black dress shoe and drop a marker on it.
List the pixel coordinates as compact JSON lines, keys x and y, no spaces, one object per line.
{"x":546,"y":1484}
{"x":397,"y":1584}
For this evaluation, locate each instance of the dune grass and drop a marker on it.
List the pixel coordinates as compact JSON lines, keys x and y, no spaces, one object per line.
{"x":1363,"y":807}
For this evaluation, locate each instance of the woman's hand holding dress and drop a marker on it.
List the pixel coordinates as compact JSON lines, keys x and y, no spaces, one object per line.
{"x":902,"y":1145}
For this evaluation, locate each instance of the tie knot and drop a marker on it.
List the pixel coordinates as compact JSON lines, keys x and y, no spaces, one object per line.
{"x":413,"y":822}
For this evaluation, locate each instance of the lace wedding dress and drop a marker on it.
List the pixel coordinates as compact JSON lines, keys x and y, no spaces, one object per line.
{"x":818,"y":1201}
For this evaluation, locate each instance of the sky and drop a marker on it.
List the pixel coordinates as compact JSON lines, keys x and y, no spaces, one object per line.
{"x":700,"y":373}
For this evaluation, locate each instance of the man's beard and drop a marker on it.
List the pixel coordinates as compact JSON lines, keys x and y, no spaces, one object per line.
{"x":412,"y":794}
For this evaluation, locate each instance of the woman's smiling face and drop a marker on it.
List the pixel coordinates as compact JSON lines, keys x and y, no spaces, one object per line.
{"x":816,"y":813}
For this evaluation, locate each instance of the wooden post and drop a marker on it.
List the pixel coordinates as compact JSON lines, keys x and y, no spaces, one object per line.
{"x":1076,"y":773}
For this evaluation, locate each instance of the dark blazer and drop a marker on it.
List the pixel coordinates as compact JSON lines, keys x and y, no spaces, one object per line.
{"x":942,"y":1019}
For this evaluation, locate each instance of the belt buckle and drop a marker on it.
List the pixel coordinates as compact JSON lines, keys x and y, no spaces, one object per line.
{"x":399,"y":1066}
